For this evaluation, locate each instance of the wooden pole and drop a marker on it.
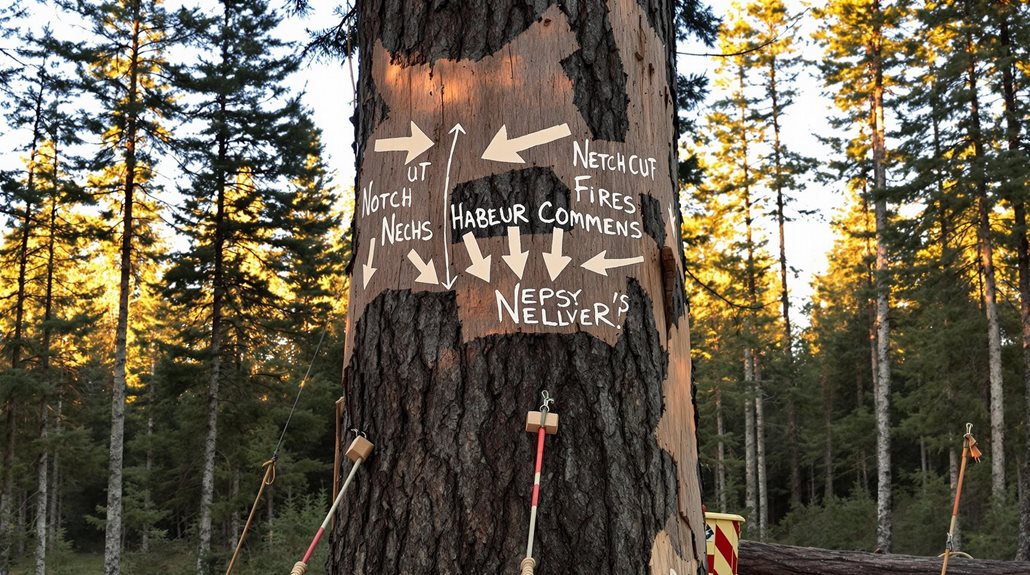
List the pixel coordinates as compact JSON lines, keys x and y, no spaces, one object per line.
{"x":968,"y":444}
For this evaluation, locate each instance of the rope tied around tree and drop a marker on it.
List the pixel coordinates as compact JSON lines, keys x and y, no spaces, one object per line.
{"x":269,"y":466}
{"x":268,"y":479}
{"x":537,"y":422}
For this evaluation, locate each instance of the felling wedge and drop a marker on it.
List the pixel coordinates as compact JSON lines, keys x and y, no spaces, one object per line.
{"x":541,"y":423}
{"x":358,"y":452}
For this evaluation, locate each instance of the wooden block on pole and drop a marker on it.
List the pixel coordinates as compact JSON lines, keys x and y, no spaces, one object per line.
{"x":360,"y":448}
{"x":533,"y":419}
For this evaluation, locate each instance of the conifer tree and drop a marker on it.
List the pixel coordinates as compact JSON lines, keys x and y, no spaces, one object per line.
{"x":252,"y":142}
{"x":125,"y":70}
{"x":858,"y":40}
{"x":22,"y":203}
{"x":778,"y":63}
{"x":737,"y":133}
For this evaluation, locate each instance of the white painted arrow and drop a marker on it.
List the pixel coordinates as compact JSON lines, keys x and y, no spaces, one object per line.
{"x":599,"y":264}
{"x":449,"y":282}
{"x":426,"y":270}
{"x":501,"y":149}
{"x":480,"y":266}
{"x":415,"y":144}
{"x":367,"y":271}
{"x":516,"y":258}
{"x":555,"y":261}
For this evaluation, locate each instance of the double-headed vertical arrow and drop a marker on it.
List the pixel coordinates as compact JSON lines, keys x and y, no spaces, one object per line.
{"x":480,"y":266}
{"x":516,"y":258}
{"x":449,"y":281}
{"x":555,"y":261}
{"x":502,"y":149}
{"x":415,"y":144}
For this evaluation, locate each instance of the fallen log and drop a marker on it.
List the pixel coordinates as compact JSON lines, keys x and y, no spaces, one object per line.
{"x":768,"y":559}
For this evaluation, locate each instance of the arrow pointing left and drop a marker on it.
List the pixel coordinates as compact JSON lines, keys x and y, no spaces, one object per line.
{"x":415,"y":144}
{"x":599,"y":264}
{"x":367,"y":271}
{"x":503,"y":149}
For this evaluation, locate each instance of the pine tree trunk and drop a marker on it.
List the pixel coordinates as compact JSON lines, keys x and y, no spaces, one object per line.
{"x":750,"y":451}
{"x":767,"y":559}
{"x":443,"y":358}
{"x":16,"y":344}
{"x":55,"y":480}
{"x":720,"y":460}
{"x":42,"y":480}
{"x":793,"y":441}
{"x":1018,"y":158}
{"x":763,"y":476}
{"x":752,"y":372}
{"x":207,"y":483}
{"x":986,"y":253}
{"x":113,"y":530}
{"x":884,"y":531}
{"x":828,"y":440}
{"x":956,"y":540}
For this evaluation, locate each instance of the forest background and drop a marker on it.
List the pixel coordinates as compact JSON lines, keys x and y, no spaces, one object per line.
{"x":853,"y":184}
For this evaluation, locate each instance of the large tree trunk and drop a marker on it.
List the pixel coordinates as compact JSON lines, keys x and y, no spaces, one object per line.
{"x":448,"y":341}
{"x":767,"y":559}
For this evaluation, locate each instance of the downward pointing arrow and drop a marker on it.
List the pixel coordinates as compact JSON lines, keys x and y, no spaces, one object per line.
{"x":501,"y":149}
{"x":367,"y":271}
{"x":516,"y":258}
{"x":480,"y":266}
{"x":555,"y":261}
{"x":600,"y":265}
{"x":426,"y":270}
{"x":415,"y":144}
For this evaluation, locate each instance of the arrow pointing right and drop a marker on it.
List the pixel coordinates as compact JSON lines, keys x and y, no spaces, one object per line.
{"x":415,"y":144}
{"x":555,"y":261}
{"x":480,"y":266}
{"x":599,"y":264}
{"x":426,"y":270}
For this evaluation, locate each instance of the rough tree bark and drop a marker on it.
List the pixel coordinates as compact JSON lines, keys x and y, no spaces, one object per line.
{"x":752,"y":378}
{"x":455,"y":325}
{"x":42,"y":464}
{"x":113,"y":530}
{"x":767,"y":559}
{"x":16,"y":342}
{"x":884,"y":530}
{"x":1013,"y":126}
{"x":986,"y":252}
